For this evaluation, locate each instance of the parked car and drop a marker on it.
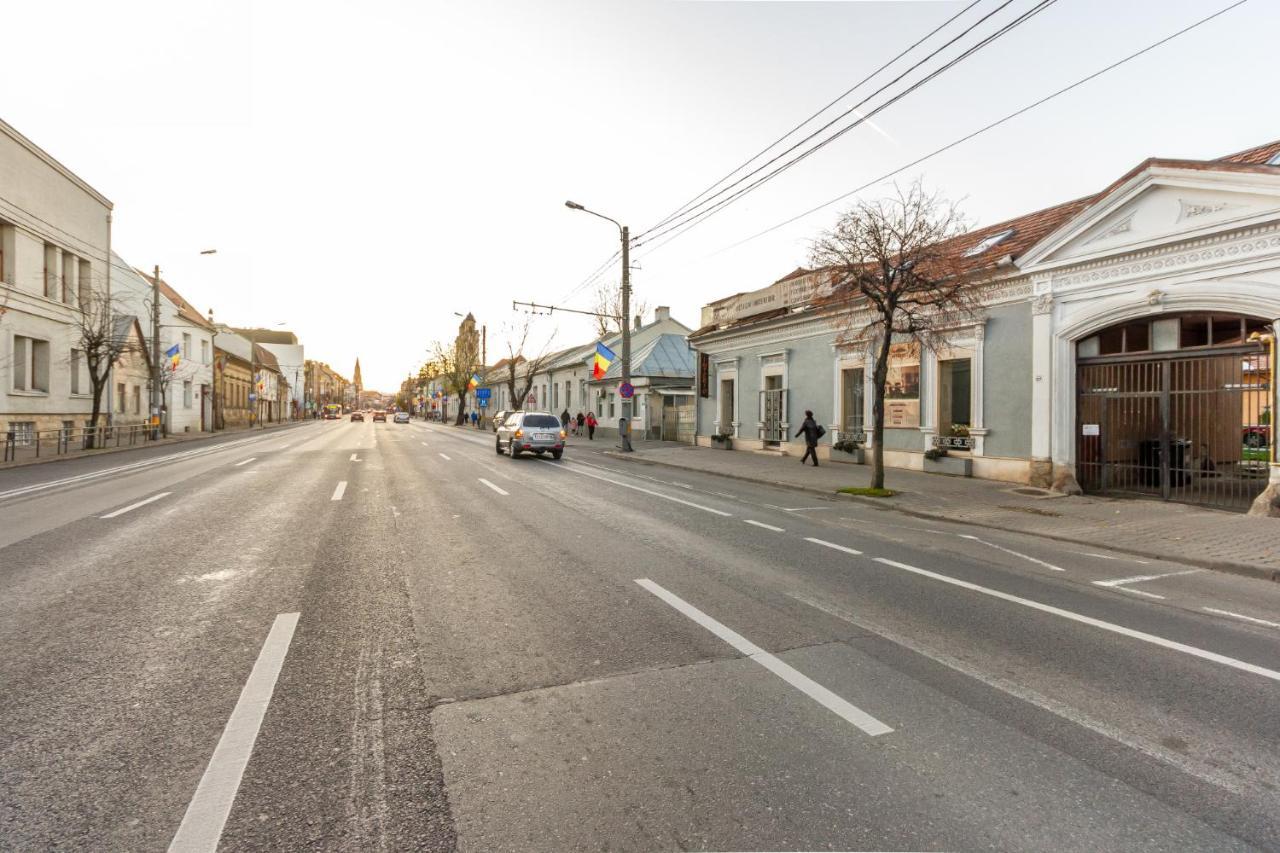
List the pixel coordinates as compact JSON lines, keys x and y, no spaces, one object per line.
{"x":499,"y":417}
{"x":532,"y":432}
{"x":357,"y":416}
{"x":402,"y":417}
{"x":379,"y":416}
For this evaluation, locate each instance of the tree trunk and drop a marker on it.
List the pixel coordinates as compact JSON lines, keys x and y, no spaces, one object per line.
{"x":878,"y":379}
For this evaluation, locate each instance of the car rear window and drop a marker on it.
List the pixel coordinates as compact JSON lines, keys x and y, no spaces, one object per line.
{"x":541,"y":421}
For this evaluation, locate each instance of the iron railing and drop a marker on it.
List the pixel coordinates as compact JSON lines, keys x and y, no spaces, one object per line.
{"x":35,"y":444}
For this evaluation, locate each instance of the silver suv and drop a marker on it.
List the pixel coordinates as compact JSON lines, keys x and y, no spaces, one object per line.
{"x":535,"y":432}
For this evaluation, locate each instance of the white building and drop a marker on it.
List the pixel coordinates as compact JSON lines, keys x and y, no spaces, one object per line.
{"x":55,"y":241}
{"x":186,"y":385}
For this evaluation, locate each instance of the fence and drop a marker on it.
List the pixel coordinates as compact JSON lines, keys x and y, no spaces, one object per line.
{"x":35,"y":444}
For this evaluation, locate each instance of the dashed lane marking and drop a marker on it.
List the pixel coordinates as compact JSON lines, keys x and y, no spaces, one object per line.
{"x":1255,"y":620}
{"x":1026,"y":557}
{"x":831,"y":545}
{"x":492,"y":486}
{"x":815,"y":691}
{"x":339,"y":491}
{"x":574,"y":469}
{"x":245,"y":461}
{"x":445,"y":457}
{"x":1122,"y":582}
{"x":132,"y":507}
{"x":201,"y":826}
{"x":755,"y":523}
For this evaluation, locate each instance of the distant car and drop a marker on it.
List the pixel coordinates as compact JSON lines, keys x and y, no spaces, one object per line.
{"x":402,"y":417}
{"x":379,"y":416}
{"x":532,"y":432}
{"x":357,"y":416}
{"x":499,"y":417}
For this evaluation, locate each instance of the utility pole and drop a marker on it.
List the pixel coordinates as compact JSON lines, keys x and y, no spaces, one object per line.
{"x":626,"y":336}
{"x":155,"y":351}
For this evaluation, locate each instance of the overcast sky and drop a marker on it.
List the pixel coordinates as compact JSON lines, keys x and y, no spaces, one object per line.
{"x":365,"y":169}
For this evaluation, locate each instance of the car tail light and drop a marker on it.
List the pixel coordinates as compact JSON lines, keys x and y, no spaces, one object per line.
{"x":519,"y":433}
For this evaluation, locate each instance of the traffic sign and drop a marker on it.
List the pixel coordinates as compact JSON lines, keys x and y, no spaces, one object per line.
{"x":626,"y":390}
{"x":483,"y":393}
{"x":484,"y":402}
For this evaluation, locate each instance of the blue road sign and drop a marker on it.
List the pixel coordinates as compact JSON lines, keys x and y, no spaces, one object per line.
{"x":484,"y":402}
{"x":626,"y":390}
{"x":483,"y":393}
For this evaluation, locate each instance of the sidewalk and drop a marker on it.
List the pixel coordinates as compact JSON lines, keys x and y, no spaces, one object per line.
{"x":178,"y":438}
{"x":1145,"y":528}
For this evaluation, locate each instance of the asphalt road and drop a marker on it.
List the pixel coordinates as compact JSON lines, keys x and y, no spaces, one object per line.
{"x":387,"y":637}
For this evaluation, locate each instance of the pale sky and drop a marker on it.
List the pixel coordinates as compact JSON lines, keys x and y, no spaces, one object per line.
{"x":365,"y":169}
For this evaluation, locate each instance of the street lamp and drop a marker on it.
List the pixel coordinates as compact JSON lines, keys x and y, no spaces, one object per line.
{"x":624,"y":430}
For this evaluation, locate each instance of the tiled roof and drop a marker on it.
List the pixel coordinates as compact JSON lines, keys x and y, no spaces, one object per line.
{"x":1258,"y":155}
{"x":186,"y":310}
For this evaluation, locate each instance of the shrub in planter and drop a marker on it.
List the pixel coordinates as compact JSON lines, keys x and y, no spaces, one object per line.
{"x":722,"y":440}
{"x":847,"y":450}
{"x":934,"y":453}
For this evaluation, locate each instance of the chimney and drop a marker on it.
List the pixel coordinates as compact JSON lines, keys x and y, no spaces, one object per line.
{"x":662,"y":312}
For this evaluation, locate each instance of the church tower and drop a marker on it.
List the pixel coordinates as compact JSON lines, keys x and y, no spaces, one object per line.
{"x":357,"y":382}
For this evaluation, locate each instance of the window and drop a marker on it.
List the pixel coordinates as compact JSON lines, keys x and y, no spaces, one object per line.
{"x":51,"y":257}
{"x":989,"y":242}
{"x":954,"y":383}
{"x":186,"y":345}
{"x":186,"y":394}
{"x":69,"y":270}
{"x":902,"y":387}
{"x":86,"y":278}
{"x":137,"y":399}
{"x":851,"y":396}
{"x":77,"y":368}
{"x":24,"y":432}
{"x":541,"y":422}
{"x":121,"y":402}
{"x":204,"y":352}
{"x":1195,"y":332}
{"x":6,"y":252}
{"x":30,"y":364}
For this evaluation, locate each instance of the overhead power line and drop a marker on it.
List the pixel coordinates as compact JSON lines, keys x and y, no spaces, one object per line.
{"x":678,"y":211}
{"x":692,"y":219}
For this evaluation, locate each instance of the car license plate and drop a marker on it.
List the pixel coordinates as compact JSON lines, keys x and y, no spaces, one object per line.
{"x":543,"y":436}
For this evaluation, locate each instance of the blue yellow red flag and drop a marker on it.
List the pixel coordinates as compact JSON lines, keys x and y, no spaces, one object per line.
{"x":475,"y":380}
{"x":604,"y":358}
{"x":174,"y":354}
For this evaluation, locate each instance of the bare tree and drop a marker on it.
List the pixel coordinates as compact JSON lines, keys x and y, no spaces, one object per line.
{"x":455,"y":364}
{"x":521,"y":367}
{"x":102,"y":340}
{"x":608,"y":304}
{"x":898,"y":278}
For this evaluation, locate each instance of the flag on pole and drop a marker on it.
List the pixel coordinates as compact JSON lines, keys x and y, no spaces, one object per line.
{"x":174,"y":354}
{"x":604,"y":358}
{"x":474,"y":381}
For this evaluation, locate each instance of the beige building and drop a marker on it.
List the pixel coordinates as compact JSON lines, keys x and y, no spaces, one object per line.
{"x":130,"y":375}
{"x":55,"y":241}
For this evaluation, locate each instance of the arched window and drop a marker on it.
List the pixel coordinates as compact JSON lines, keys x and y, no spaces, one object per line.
{"x":1170,"y":332}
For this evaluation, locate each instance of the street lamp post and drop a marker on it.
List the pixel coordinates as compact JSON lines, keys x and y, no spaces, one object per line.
{"x":624,"y":428}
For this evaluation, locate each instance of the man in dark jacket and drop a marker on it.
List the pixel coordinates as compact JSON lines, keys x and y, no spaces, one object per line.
{"x":811,"y":432}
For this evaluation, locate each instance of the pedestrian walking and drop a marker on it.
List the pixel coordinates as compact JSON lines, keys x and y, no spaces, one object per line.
{"x":564,"y":420}
{"x":475,"y":417}
{"x":591,"y":426}
{"x":812,"y":431}
{"x":580,"y":422}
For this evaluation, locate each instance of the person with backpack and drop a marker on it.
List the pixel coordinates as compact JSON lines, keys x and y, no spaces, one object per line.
{"x":812,"y":431}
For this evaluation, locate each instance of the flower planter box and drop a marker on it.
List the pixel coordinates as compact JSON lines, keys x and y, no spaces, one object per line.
{"x":954,"y":466}
{"x":727,"y":444}
{"x":849,"y":457}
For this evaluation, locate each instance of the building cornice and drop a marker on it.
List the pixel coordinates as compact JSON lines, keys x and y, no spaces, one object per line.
{"x":8,"y":130}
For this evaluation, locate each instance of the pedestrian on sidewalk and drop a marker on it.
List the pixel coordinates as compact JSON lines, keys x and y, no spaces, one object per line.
{"x":591,"y":426}
{"x":579,"y":423}
{"x":564,"y":420}
{"x":475,"y":417}
{"x":812,"y":431}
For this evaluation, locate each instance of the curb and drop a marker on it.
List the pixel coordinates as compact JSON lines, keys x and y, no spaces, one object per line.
{"x":107,"y":451}
{"x":1244,"y":569}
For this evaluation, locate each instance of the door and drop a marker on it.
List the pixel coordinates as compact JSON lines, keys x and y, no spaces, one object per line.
{"x":852,"y":388}
{"x":773,"y":411}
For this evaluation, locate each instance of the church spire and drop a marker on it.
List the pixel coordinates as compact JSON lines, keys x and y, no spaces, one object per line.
{"x":355,"y":377}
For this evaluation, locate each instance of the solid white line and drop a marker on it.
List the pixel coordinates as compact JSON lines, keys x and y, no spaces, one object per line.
{"x":201,"y":826}
{"x":355,"y":457}
{"x":815,"y":691}
{"x":1141,"y":592}
{"x":444,"y":457}
{"x":132,"y":507}
{"x":1110,"y":557}
{"x":1014,"y":553}
{"x":754,"y":523}
{"x":338,"y":492}
{"x":1141,"y":578}
{"x":245,"y":461}
{"x":831,"y":545}
{"x":492,"y":486}
{"x":1204,"y":654}
{"x":574,"y":469}
{"x":1252,"y":619}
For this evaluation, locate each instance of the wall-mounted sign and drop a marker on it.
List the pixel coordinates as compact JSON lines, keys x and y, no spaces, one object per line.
{"x":1090,"y":429}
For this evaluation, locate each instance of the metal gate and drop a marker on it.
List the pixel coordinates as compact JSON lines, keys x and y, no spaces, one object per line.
{"x":773,"y":414}
{"x":1193,"y":428}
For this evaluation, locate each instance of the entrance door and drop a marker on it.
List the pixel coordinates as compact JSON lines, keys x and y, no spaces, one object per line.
{"x":1184,"y":427}
{"x":773,"y":410}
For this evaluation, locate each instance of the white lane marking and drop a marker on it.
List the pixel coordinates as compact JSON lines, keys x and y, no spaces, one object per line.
{"x":284,"y":447}
{"x":1141,"y":578}
{"x":1141,"y":592}
{"x":1026,"y":694}
{"x":815,"y":691}
{"x":832,"y":545}
{"x":132,"y":507}
{"x":754,"y":523}
{"x":1193,"y":651}
{"x":338,"y":492}
{"x":1112,"y":557}
{"x":1255,"y":620}
{"x":355,"y":457}
{"x":574,"y":469}
{"x":201,"y":826}
{"x":802,"y":508}
{"x":1014,"y":553}
{"x":445,"y":457}
{"x":424,"y":444}
{"x":492,"y":486}
{"x":245,"y":461}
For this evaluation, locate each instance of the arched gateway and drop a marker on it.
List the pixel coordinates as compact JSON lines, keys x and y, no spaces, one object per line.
{"x":1176,"y":406}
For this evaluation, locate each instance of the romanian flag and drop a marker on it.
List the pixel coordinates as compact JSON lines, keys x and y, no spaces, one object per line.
{"x":174,"y":354}
{"x":474,"y":381}
{"x":604,"y":358}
